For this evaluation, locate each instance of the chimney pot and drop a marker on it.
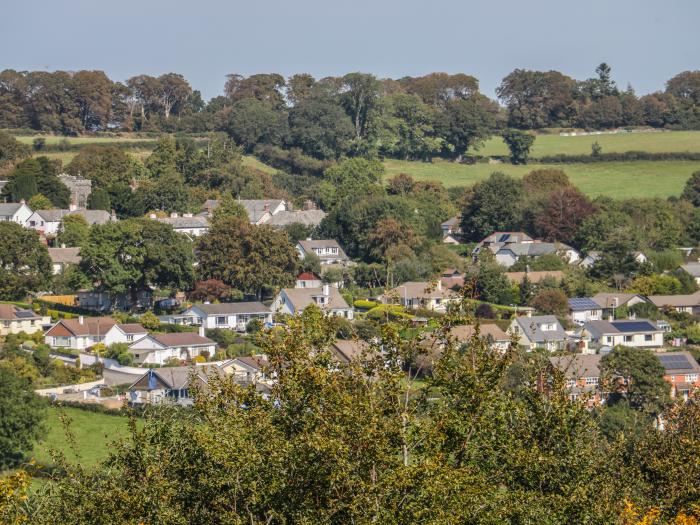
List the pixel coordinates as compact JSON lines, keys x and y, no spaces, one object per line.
{"x":174,"y":215}
{"x":81,"y":319}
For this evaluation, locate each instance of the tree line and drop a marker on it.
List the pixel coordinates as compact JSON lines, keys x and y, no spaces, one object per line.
{"x":410,"y":117}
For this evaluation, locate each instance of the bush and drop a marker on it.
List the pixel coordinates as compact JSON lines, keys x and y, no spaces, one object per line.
{"x":392,"y":311}
{"x":484,"y":311}
{"x":364,"y":304}
{"x":254,"y":326}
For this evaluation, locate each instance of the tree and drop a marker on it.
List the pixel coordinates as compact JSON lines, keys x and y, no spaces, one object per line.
{"x":466,"y":123}
{"x":129,"y":256}
{"x":320,"y":128}
{"x":74,"y":230}
{"x":360,"y":93}
{"x":11,"y":150}
{"x":387,"y":234}
{"x":635,"y":375}
{"x":149,"y":321}
{"x":352,"y":178}
{"x":39,"y":202}
{"x":247,"y":257}
{"x":168,"y":193}
{"x":228,"y":207}
{"x":24,"y":261}
{"x":252,"y":122}
{"x":99,"y":199}
{"x":563,"y":213}
{"x":545,"y":181}
{"x":105,"y":166}
{"x":519,"y":144}
{"x":691,"y":191}
{"x":552,"y":302}
{"x":22,"y":416}
{"x":37,"y":176}
{"x":495,"y":205}
{"x":213,"y":290}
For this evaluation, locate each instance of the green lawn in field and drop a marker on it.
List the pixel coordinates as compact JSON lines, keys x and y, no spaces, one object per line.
{"x":652,"y":142}
{"x":253,"y":162}
{"x":93,"y":434}
{"x":57,"y":139}
{"x":614,"y":179}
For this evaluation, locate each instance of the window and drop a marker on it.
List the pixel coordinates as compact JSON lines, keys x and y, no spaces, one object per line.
{"x":648,"y":337}
{"x":691,"y":378}
{"x":129,"y":337}
{"x":570,"y":383}
{"x":628,"y":339}
{"x":591,"y":381}
{"x":6,"y":324}
{"x":221,"y":319}
{"x":608,"y":339}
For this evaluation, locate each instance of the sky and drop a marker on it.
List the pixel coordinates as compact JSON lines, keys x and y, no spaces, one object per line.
{"x":645,"y":41}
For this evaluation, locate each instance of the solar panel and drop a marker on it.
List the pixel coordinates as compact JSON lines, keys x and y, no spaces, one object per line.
{"x":583,"y":303}
{"x":24,"y":314}
{"x":675,"y":362}
{"x":504,"y":237}
{"x":634,"y":326}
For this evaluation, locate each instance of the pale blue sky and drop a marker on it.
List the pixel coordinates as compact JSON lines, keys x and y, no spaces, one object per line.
{"x":646,"y":42}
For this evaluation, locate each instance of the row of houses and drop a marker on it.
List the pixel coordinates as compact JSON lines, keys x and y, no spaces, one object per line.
{"x":607,"y":304}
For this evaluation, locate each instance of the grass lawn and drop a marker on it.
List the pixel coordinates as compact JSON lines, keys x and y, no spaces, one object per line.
{"x":253,"y":162}
{"x":652,"y":142}
{"x":57,"y":139}
{"x":66,"y":156}
{"x":614,"y":179}
{"x":93,"y":434}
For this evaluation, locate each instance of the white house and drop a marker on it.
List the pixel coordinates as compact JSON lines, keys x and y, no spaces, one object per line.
{"x":233,"y":316}
{"x":538,"y":331}
{"x":186,"y":224}
{"x":611,"y":301}
{"x":171,"y":384}
{"x":17,"y":212}
{"x":508,"y":254}
{"x":327,"y":250}
{"x":583,"y":309}
{"x":308,"y":280}
{"x":639,"y":333}
{"x":48,"y":222}
{"x":124,"y":333}
{"x":62,"y":257}
{"x":593,"y":257}
{"x":692,"y":269}
{"x":689,"y":303}
{"x":292,"y":301}
{"x":158,"y":349}
{"x":431,"y":296}
{"x":78,"y":334}
{"x":14,"y":320}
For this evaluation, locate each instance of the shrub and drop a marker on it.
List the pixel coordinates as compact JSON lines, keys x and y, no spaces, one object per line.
{"x":485,"y":311}
{"x":365,"y":304}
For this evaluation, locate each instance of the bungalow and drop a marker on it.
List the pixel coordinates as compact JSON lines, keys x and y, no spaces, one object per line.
{"x":582,"y":375}
{"x":609,"y":302}
{"x":639,"y":333}
{"x":171,"y":384}
{"x":232,"y":316}
{"x":186,"y":224}
{"x":124,"y":333}
{"x":158,"y":349}
{"x":17,"y":212}
{"x":682,"y":371}
{"x":498,"y":239}
{"x":593,"y":257}
{"x":543,"y":331}
{"x":431,"y":296}
{"x":14,"y":320}
{"x":78,"y":334}
{"x":489,"y":332}
{"x":292,"y":301}
{"x":689,"y":304}
{"x":327,"y":250}
{"x":62,"y":257}
{"x":48,"y":222}
{"x":691,"y":268}
{"x":308,"y":280}
{"x":508,"y":254}
{"x":247,"y":370}
{"x":583,"y":309}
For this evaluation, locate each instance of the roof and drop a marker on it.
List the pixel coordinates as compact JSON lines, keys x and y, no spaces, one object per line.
{"x":257,"y":208}
{"x":675,"y":300}
{"x":489,"y":331}
{"x":185,"y":222}
{"x":90,"y":326}
{"x":8,"y":209}
{"x":308,"y":276}
{"x":607,"y":300}
{"x":531,"y":328}
{"x":310,"y":245}
{"x":91,"y":216}
{"x":421,"y":290}
{"x":693,"y":268}
{"x":533,"y":249}
{"x":303,"y":297}
{"x":577,"y":366}
{"x":579,"y":304}
{"x":132,"y":328}
{"x":305,"y":217}
{"x":256,"y":362}
{"x":679,"y":362}
{"x":629,"y":326}
{"x":451,"y":222}
{"x":534,"y":277}
{"x":11,"y":312}
{"x":182,"y":339}
{"x":252,"y":307}
{"x":348,"y":349}
{"x":65,"y":255}
{"x":503,"y":237}
{"x":177,"y":377}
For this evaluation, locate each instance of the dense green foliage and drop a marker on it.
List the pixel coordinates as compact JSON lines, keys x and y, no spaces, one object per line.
{"x":24,"y":261}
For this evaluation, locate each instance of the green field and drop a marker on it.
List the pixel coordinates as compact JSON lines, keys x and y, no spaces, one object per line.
{"x":93,"y":434}
{"x":652,"y":142}
{"x":614,"y":179}
{"x":56,"y":139}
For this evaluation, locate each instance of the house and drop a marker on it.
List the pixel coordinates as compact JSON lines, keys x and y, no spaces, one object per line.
{"x":498,"y":239}
{"x":347,"y":350}
{"x":534,"y":277}
{"x":62,"y":257}
{"x":612,"y":301}
{"x":292,"y":301}
{"x":124,"y":333}
{"x":682,"y":371}
{"x":583,"y":309}
{"x":232,"y":316}
{"x":78,"y":334}
{"x":538,"y":331}
{"x":308,"y":280}
{"x":259,"y":211}
{"x":451,"y":231}
{"x":80,"y":190}
{"x":286,"y":218}
{"x":489,"y":332}
{"x":452,"y":279}
{"x":17,"y":212}
{"x":639,"y":333}
{"x":186,"y":224}
{"x":593,"y":257}
{"x":14,"y":320}
{"x":689,"y":304}
{"x":158,"y":349}
{"x":48,"y":222}
{"x":101,"y":301}
{"x":247,"y":370}
{"x":327,"y":250}
{"x":582,"y":375}
{"x":171,"y":384}
{"x":508,"y":254}
{"x":691,"y":268}
{"x":417,"y":294}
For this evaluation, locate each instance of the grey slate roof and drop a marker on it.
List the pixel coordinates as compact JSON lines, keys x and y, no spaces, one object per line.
{"x":65,"y":255}
{"x":185,"y":222}
{"x":252,"y":307}
{"x":91,"y":216}
{"x":692,"y":268}
{"x":310,"y":245}
{"x":8,"y":209}
{"x":305,"y":217}
{"x":530,"y":326}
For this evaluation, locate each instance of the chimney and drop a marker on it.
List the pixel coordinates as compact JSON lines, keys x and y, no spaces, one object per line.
{"x":113,"y":215}
{"x":174,"y":215}
{"x":326,"y":290}
{"x":22,"y":201}
{"x":187,"y":215}
{"x":152,"y":215}
{"x":81,"y":319}
{"x":266,"y":207}
{"x":63,"y":245}
{"x":201,"y":330}
{"x":439,"y":285}
{"x":72,"y":207}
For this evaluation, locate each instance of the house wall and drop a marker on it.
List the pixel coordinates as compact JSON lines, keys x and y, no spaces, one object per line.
{"x":282,"y":304}
{"x":28,"y":326}
{"x":636,"y":340}
{"x":115,"y":335}
{"x":506,"y":258}
{"x":21,"y":215}
{"x":584,"y":316}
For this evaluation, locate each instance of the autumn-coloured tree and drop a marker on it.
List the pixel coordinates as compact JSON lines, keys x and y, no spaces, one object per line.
{"x":563,"y":213}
